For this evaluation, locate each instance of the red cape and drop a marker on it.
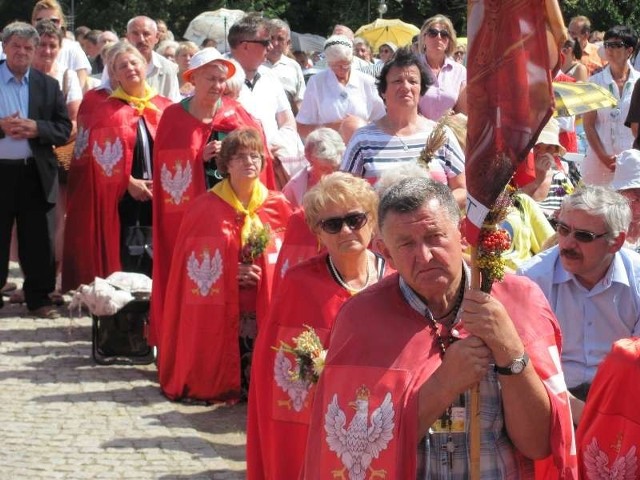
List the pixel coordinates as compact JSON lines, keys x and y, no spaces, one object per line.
{"x":98,"y":178}
{"x":179,"y":178}
{"x":378,"y":356}
{"x":201,"y":359}
{"x":279,"y":408}
{"x":608,"y":437}
{"x":299,"y":244}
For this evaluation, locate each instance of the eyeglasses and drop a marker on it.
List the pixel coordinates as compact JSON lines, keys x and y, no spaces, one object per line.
{"x":582,"y":236}
{"x":340,"y":66}
{"x":265,"y":43}
{"x":355,"y":221}
{"x":434,"y":32}
{"x":614,"y":45}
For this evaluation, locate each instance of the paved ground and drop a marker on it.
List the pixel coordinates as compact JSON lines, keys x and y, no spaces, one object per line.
{"x":64,"y":417}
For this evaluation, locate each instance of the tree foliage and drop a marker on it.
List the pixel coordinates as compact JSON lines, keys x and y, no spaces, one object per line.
{"x":312,"y":16}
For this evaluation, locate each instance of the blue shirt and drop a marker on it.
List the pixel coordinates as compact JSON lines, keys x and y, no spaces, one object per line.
{"x":590,"y":320}
{"x":14,"y":97}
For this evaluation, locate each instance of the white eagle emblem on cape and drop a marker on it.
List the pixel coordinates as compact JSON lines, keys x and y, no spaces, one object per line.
{"x":297,"y":390}
{"x":597,"y":466}
{"x":82,"y":142}
{"x":109,"y":156}
{"x":175,"y":185}
{"x":204,"y":274}
{"x":360,"y":443}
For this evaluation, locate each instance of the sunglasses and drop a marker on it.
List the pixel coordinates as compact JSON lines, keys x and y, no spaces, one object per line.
{"x":614,"y":45}
{"x":434,"y":32}
{"x":355,"y":221}
{"x":582,"y":236}
{"x":264,"y":43}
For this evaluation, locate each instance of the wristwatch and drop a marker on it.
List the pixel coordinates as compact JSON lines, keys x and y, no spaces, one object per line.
{"x":515,"y":367}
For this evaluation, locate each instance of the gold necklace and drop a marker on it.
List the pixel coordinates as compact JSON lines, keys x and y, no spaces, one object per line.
{"x":340,"y":280}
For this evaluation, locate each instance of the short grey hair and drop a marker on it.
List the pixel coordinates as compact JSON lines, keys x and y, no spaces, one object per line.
{"x":604,"y":202}
{"x":410,"y":194}
{"x":278,"y":24}
{"x":22,"y":30}
{"x":149,"y":21}
{"x":163,"y":45}
{"x":337,"y":48}
{"x":325,"y":144}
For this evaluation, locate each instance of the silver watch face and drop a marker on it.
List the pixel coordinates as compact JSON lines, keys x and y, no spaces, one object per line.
{"x":517,"y":367}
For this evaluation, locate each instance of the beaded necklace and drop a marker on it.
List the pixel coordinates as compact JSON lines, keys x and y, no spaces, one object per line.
{"x":447,"y":419}
{"x":340,"y":280}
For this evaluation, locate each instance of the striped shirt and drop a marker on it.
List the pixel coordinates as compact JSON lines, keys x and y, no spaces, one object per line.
{"x":497,"y":453}
{"x":371,"y":152}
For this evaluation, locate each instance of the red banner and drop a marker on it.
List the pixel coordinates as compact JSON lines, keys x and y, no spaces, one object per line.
{"x":513,"y":47}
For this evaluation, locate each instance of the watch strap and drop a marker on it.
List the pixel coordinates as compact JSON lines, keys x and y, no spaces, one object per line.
{"x":509,"y":369}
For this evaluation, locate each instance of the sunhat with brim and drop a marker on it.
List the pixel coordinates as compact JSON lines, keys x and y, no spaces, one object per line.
{"x":627,"y":172}
{"x":205,"y":56}
{"x":392,"y":46}
{"x":549,"y":136}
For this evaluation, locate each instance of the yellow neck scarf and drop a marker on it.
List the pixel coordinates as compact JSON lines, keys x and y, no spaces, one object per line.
{"x":138,"y":103}
{"x":251,"y":219}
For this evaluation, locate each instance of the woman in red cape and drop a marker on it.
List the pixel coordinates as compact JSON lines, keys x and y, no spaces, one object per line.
{"x":608,"y":436}
{"x":188,"y":135}
{"x":220,"y":278}
{"x":104,"y":171}
{"x":341,"y":211}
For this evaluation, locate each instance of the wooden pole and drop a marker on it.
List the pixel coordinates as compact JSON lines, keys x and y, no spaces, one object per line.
{"x":474,"y":426}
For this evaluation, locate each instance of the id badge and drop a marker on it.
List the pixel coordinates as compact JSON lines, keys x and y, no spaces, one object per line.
{"x":458,"y":418}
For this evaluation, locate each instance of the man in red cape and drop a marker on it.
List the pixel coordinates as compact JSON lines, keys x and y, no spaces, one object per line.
{"x":179,"y":178}
{"x":98,"y":179}
{"x":400,"y":368}
{"x":200,"y":358}
{"x":608,"y":436}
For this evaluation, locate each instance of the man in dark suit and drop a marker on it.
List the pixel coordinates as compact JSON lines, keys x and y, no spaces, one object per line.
{"x":33,"y":118}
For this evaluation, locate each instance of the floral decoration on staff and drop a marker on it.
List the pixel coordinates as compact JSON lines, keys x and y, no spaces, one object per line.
{"x":309,"y":354}
{"x":255,"y":244}
{"x":494,"y":241}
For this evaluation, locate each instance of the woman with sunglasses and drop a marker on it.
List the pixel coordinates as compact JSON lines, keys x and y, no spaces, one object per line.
{"x":220,"y":278}
{"x":338,"y":92}
{"x":607,"y":135}
{"x":448,"y":92}
{"x":341,"y":210}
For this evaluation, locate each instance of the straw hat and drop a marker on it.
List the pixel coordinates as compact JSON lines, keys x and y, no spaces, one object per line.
{"x":205,"y":56}
{"x":549,"y":136}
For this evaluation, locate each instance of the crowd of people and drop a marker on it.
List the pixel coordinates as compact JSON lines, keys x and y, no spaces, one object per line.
{"x":280,"y":213}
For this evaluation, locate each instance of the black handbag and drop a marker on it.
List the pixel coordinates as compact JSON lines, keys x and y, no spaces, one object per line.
{"x":139,"y":241}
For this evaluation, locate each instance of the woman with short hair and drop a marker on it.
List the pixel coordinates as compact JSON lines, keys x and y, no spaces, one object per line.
{"x":341,"y":210}
{"x":400,"y":136}
{"x":220,"y":278}
{"x":111,"y":175}
{"x":338,"y":92}
{"x":188,"y":145}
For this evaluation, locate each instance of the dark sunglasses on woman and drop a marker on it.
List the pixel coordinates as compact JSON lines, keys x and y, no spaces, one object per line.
{"x":434,"y":32}
{"x":355,"y":221}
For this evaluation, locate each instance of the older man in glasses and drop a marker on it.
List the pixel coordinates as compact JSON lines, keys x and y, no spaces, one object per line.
{"x":591,"y":283}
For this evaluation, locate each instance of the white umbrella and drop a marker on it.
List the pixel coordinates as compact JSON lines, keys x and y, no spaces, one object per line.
{"x":306,"y":42}
{"x":214,"y":25}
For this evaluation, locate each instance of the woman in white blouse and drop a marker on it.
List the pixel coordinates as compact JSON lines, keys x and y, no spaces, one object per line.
{"x":606,"y":133}
{"x":338,"y":92}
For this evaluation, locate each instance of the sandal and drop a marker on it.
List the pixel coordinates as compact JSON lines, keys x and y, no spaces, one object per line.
{"x":17,"y":296}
